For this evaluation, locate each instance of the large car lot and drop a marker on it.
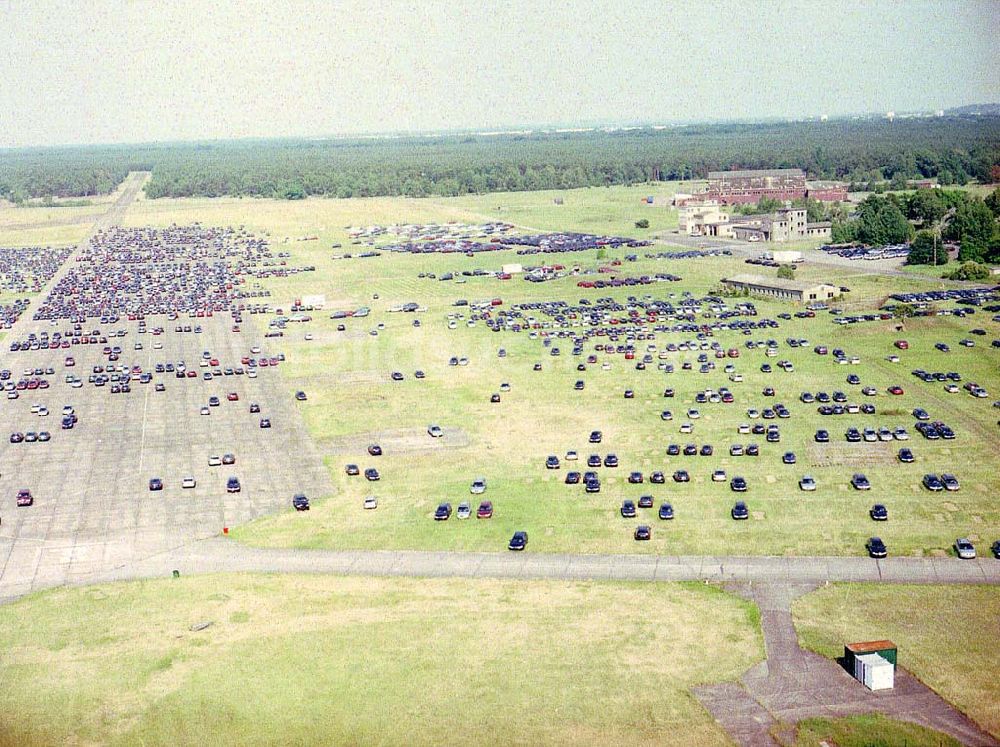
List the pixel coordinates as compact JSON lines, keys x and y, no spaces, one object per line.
{"x":543,"y":413}
{"x":734,"y":408}
{"x":115,"y":486}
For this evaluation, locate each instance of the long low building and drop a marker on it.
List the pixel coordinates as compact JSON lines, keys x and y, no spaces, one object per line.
{"x":782,"y":290}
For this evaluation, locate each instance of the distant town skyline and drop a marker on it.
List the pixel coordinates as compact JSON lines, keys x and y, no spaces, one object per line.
{"x":110,"y":72}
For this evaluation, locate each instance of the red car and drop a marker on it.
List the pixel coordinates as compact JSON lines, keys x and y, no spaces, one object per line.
{"x":232,"y":397}
{"x":895,"y":390}
{"x":24,"y":498}
{"x":902,"y":344}
{"x":485,"y":510}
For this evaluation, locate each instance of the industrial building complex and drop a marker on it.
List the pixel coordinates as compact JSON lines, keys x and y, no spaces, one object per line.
{"x":788,"y":224}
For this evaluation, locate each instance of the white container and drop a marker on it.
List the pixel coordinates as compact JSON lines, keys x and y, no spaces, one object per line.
{"x":875,"y":672}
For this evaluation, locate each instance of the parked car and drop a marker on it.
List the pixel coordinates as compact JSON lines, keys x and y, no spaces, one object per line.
{"x":464,"y":511}
{"x":860,"y":482}
{"x":233,"y":485}
{"x":807,"y":483}
{"x":628,"y":509}
{"x":740,"y":511}
{"x":518,"y":542}
{"x":876,"y":548}
{"x":642,"y":532}
{"x":443,"y":512}
{"x":933,"y":483}
{"x":666,"y":511}
{"x":879,"y":512}
{"x":485,"y":510}
{"x":965,"y":549}
{"x":300,"y":502}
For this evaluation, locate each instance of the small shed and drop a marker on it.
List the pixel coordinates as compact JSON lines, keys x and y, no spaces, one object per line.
{"x":885,"y":649}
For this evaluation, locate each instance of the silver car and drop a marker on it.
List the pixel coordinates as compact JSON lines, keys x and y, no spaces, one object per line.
{"x":807,"y":483}
{"x":464,"y":511}
{"x":478,"y":487}
{"x":965,"y":549}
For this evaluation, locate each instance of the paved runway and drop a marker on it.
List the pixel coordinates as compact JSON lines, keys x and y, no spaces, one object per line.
{"x":93,"y":508}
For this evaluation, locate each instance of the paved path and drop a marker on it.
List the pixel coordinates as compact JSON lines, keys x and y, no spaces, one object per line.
{"x":218,"y":554}
{"x":794,"y":684}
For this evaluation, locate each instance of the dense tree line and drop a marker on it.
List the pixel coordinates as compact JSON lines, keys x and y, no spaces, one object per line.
{"x":952,"y":215}
{"x":65,"y":172}
{"x":951,"y":149}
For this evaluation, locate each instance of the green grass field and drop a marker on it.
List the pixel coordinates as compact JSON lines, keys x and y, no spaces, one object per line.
{"x":946,"y":635}
{"x":352,"y":402}
{"x":326,"y":660}
{"x":871,"y":730}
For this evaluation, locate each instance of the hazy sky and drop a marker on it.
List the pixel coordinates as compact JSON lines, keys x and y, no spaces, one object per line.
{"x":86,"y":72}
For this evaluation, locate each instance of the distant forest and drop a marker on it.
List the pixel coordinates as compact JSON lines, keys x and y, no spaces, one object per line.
{"x":950,"y":149}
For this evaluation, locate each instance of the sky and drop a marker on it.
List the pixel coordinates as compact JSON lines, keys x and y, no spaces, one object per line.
{"x":109,"y":72}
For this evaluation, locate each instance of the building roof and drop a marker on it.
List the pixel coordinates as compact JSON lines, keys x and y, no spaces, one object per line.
{"x":869,"y":646}
{"x":820,"y":224}
{"x":755,"y":172}
{"x":767,"y":282}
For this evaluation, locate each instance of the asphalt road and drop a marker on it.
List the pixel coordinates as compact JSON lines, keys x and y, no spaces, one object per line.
{"x":221,"y":554}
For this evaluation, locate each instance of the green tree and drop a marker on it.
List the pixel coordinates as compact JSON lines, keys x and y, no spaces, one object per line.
{"x":993,"y":202}
{"x":974,"y":226}
{"x":922,"y":250}
{"x":881,"y":222}
{"x":904,"y":310}
{"x":642,"y":223}
{"x":293,"y":192}
{"x":969,"y":271}
{"x":844,"y":231}
{"x":926,"y":205}
{"x":786,"y":272}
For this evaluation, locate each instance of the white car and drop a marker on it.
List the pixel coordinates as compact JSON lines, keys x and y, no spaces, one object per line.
{"x":214,"y":461}
{"x":371,"y":502}
{"x":464,"y":511}
{"x":807,"y":483}
{"x":434,"y":431}
{"x":205,"y":411}
{"x":188,"y":482}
